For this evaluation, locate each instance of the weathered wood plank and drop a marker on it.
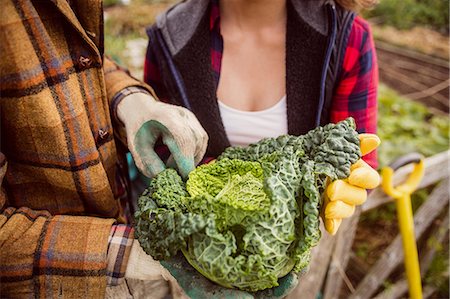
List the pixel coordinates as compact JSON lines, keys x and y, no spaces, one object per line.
{"x":394,"y":291}
{"x":393,"y":255}
{"x":401,"y":287}
{"x":340,"y":256}
{"x":412,"y":54}
{"x":436,"y":169}
{"x":428,"y":291}
{"x":310,"y":283}
{"x":438,"y":236}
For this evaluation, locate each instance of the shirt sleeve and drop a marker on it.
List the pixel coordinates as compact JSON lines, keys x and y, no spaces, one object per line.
{"x":152,"y":74}
{"x":356,"y":92}
{"x":119,"y":247}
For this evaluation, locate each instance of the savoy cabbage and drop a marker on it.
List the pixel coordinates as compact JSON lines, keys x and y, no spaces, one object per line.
{"x":252,"y":216}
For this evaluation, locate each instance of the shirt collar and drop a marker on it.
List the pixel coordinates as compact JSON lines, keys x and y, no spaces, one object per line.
{"x":214,"y":17}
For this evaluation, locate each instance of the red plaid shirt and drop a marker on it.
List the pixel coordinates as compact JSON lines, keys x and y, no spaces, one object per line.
{"x":356,"y":92}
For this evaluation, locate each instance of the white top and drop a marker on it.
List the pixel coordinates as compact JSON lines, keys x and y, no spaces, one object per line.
{"x":245,"y":127}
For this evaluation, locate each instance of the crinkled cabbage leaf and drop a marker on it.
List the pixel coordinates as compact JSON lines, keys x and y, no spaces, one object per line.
{"x":252,"y":216}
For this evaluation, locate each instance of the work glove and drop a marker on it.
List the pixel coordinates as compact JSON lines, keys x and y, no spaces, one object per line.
{"x":146,"y":120}
{"x":342,"y":196}
{"x":183,"y":281}
{"x":146,"y":277}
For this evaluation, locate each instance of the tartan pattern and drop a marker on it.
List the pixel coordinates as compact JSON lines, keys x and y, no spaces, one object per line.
{"x":64,"y":252}
{"x":57,"y":136}
{"x":51,"y":121}
{"x":216,"y":40}
{"x":152,"y":76}
{"x":356,"y":92}
{"x":44,"y":256}
{"x":20,"y":230}
{"x":119,"y":246}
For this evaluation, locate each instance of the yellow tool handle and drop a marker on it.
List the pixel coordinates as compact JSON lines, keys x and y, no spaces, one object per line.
{"x":411,"y":183}
{"x":406,"y":223}
{"x":402,"y":196}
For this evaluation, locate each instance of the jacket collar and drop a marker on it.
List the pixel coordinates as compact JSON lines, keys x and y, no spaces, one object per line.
{"x":86,"y":17}
{"x":179,"y":23}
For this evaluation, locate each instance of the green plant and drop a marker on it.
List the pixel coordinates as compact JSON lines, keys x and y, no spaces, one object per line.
{"x":253,"y":215}
{"x":438,"y":274}
{"x":127,"y":22}
{"x":406,"y":14}
{"x":405,"y":126}
{"x":362,"y":250}
{"x":108,"y":3}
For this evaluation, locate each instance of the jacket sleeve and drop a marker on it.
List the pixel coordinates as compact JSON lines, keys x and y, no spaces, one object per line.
{"x":117,"y":79}
{"x":356,"y":92}
{"x":44,"y":256}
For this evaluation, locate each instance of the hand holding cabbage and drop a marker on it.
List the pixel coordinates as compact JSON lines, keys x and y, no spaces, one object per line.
{"x":251,"y":217}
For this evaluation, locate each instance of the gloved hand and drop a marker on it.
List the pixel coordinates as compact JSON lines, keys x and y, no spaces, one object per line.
{"x":341,"y":196}
{"x":151,"y":277}
{"x":184,"y":281}
{"x":146,"y":120}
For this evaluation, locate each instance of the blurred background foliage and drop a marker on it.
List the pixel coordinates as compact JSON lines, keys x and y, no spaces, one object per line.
{"x":126,"y":21}
{"x":405,"y":126}
{"x":406,"y":14}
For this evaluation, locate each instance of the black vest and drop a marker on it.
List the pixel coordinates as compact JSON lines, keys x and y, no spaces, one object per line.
{"x":189,"y":80}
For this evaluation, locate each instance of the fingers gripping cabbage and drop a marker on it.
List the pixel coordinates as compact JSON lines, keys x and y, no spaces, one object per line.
{"x":253,"y":215}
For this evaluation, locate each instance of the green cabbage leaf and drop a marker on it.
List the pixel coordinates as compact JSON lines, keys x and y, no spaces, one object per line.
{"x":252,"y":216}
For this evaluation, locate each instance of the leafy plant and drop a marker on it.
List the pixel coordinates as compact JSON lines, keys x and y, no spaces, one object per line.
{"x":438,"y":274}
{"x":252,"y":216}
{"x":405,"y":126}
{"x":108,"y":3}
{"x":406,"y":14}
{"x":124,"y":23}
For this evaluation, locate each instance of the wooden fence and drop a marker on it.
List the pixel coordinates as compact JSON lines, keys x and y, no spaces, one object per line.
{"x":331,"y":257}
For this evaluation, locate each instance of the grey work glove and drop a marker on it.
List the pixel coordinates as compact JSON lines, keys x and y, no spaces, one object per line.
{"x":146,"y":120}
{"x":144,"y":275}
{"x":185,"y":282}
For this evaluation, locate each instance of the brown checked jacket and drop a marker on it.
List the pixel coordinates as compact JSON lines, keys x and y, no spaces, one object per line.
{"x":58,"y":199}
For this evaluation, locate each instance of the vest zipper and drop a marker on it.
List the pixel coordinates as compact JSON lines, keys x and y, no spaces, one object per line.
{"x":331,"y":41}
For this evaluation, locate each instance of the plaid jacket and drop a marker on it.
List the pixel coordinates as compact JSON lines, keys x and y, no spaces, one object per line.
{"x":355,"y":92}
{"x":60,"y":196}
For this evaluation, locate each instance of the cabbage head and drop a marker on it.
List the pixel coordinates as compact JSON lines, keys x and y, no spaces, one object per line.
{"x":252,"y":216}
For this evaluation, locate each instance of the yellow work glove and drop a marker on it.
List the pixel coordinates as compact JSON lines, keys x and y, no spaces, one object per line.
{"x":342,"y":196}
